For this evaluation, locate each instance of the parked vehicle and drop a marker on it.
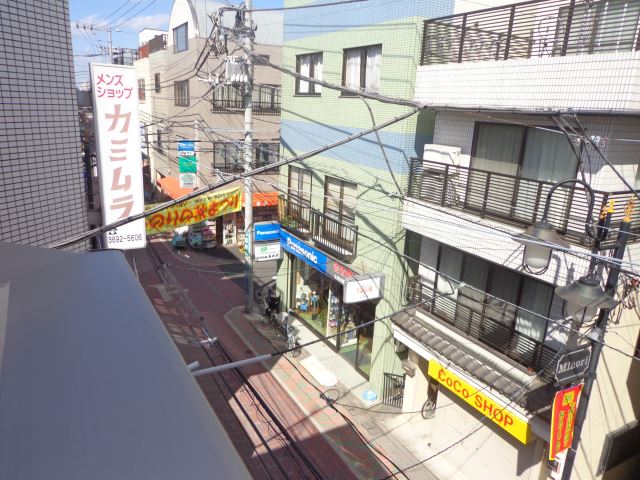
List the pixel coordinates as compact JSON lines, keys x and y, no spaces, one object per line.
{"x":178,"y":241}
{"x":202,"y":235}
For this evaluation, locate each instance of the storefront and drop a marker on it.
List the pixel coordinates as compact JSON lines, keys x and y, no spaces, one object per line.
{"x":316,"y":294}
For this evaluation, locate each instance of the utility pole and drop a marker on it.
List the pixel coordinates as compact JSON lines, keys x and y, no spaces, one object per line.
{"x":248,"y":157}
{"x":597,"y":340}
{"x":195,"y":150}
{"x":110,"y":46}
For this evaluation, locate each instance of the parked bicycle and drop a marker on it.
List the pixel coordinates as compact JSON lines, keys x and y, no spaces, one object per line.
{"x":281,"y":322}
{"x":284,"y":328}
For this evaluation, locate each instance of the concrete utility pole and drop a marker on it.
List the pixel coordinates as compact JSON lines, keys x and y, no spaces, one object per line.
{"x":110,"y":46}
{"x":248,"y":157}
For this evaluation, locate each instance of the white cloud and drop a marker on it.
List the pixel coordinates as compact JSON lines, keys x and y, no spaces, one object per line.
{"x":159,"y":21}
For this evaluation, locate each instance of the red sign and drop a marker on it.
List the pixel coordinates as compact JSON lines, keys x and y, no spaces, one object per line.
{"x":563,"y":419}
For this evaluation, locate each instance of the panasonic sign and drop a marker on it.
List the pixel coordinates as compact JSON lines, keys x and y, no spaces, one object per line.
{"x":303,"y":251}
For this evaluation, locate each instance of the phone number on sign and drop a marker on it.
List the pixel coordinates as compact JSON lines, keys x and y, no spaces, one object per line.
{"x":124,"y":238}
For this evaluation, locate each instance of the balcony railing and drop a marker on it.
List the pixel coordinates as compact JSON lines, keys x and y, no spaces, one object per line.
{"x":228,"y":157}
{"x":539,"y":28}
{"x":335,"y":236}
{"x":518,"y":200}
{"x":483,"y":322}
{"x":266,"y":99}
{"x":295,"y":216}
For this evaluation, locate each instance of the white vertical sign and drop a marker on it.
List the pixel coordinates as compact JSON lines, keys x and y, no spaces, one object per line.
{"x":115,"y":103}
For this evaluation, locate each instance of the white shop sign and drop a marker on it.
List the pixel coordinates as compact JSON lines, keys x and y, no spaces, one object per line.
{"x":115,"y":103}
{"x":363,"y":288}
{"x":267,"y":251}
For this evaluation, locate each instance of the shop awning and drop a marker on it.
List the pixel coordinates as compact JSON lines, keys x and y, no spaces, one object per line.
{"x":263,"y":199}
{"x":171,"y":186}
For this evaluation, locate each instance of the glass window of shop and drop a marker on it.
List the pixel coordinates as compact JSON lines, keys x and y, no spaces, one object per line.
{"x":317,"y":300}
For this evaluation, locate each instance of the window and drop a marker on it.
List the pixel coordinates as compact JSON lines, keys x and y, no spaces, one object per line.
{"x":310,"y":66}
{"x":619,"y":446}
{"x":265,"y":97}
{"x":516,"y":154}
{"x":361,"y":68}
{"x":300,"y":183}
{"x":477,"y":295}
{"x":227,"y":96}
{"x":340,"y":200}
{"x":180,"y":38}
{"x":141,"y":91}
{"x":266,"y":153}
{"x":158,"y":142}
{"x":606,"y":26}
{"x":261,"y":59}
{"x":181,"y":93}
{"x":156,"y":79}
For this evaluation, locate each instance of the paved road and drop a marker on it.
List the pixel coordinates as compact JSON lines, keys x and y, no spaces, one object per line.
{"x":197,"y":288}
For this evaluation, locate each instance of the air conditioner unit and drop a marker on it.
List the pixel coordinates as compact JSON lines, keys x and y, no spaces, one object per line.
{"x":442,"y":154}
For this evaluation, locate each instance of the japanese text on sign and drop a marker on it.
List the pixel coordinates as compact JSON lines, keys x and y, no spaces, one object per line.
{"x":563,"y":416}
{"x":195,"y":210}
{"x":118,"y":148}
{"x":494,"y":410}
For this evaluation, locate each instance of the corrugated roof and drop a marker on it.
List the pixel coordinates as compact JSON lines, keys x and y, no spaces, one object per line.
{"x":91,"y":384}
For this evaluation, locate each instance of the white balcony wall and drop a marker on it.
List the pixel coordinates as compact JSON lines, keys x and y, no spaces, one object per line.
{"x":605,"y":82}
{"x":619,"y":141}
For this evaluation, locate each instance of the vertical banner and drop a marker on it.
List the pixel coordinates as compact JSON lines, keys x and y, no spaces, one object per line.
{"x":115,"y":103}
{"x":187,"y":164}
{"x":563,"y":418}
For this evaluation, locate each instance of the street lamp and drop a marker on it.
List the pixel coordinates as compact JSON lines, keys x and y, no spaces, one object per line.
{"x":584,"y":297}
{"x":541,"y":237}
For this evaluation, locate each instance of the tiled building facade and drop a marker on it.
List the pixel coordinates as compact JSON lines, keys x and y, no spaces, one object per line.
{"x":42,"y":195}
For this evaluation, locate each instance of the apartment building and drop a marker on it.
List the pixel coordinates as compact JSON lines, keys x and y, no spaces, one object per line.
{"x":340,"y":210}
{"x":518,"y":85}
{"x":184,"y":95}
{"x":42,"y":181}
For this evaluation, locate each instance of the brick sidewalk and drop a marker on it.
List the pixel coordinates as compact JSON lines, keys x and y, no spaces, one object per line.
{"x":329,"y":440}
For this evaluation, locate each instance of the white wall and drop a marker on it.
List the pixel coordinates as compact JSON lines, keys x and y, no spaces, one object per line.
{"x":601,"y":82}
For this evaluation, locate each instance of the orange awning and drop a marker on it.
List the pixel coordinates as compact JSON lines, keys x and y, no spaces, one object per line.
{"x":263,"y":199}
{"x":171,"y":186}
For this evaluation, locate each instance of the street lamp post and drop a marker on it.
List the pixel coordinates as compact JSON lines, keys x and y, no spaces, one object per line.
{"x":584,"y":296}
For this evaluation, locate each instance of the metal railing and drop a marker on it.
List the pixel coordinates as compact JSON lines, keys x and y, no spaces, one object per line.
{"x":266,"y":99}
{"x":393,"y":390}
{"x":228,"y":156}
{"x":329,"y":234}
{"x":294,"y":215}
{"x":335,"y":236}
{"x":489,"y":325}
{"x":539,"y":28}
{"x":516,"y":199}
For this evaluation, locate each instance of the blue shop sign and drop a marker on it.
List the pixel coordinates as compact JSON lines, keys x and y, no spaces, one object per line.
{"x":303,"y":251}
{"x":266,"y":231}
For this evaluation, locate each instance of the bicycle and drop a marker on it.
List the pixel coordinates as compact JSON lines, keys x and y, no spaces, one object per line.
{"x":283,"y":328}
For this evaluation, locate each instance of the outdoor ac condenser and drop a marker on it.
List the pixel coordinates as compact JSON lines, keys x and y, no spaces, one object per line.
{"x":442,"y":154}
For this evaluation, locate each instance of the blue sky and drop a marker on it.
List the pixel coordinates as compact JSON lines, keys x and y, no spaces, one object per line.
{"x":126,"y":18}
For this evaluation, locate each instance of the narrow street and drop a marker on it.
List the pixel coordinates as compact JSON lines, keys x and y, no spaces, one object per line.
{"x":274,"y":435}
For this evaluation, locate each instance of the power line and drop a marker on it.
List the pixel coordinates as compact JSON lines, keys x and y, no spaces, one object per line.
{"x":111,"y":226}
{"x":279,"y":9}
{"x":113,"y":12}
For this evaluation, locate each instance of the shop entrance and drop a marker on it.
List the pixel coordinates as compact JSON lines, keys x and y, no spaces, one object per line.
{"x":316,"y":299}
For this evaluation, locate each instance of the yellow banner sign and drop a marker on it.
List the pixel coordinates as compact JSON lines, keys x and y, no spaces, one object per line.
{"x":204,"y":207}
{"x":489,"y":407}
